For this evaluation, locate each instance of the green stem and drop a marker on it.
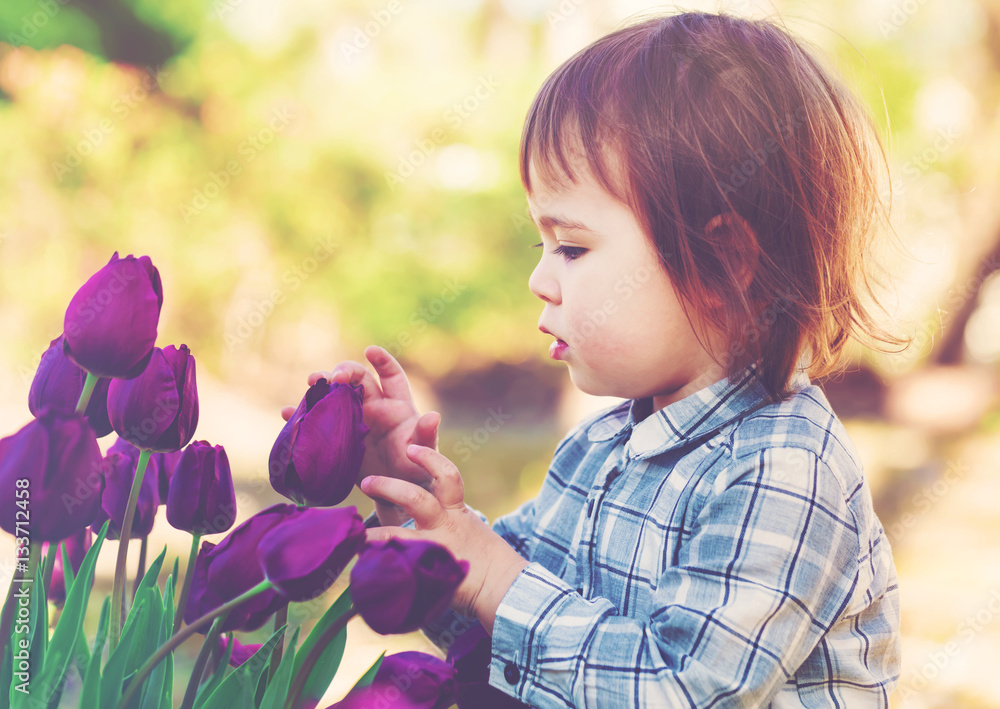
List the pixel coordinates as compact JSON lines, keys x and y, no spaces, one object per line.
{"x":211,"y":640}
{"x":7,"y":615}
{"x":88,"y":388}
{"x":141,"y":568}
{"x":119,"y":588}
{"x":186,"y":588}
{"x":177,"y":638}
{"x":313,"y":657}
{"x":280,"y":619}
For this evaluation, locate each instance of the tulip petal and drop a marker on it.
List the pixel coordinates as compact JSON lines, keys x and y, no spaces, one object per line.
{"x":304,"y":554}
{"x":142,"y":409}
{"x":110,"y":323}
{"x":383,"y":587}
{"x":231,"y":568}
{"x":58,"y":456}
{"x":325,"y":454}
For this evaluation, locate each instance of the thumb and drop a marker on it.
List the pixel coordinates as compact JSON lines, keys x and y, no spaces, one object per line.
{"x":426,"y":432}
{"x":287,"y":411}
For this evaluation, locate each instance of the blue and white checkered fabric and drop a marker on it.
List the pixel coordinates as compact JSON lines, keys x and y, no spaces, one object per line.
{"x":706,"y":555}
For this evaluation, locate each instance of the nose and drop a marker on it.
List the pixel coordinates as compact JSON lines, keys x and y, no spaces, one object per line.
{"x":543,"y":282}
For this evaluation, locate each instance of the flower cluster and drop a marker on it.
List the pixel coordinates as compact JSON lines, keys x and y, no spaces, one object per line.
{"x":105,"y":373}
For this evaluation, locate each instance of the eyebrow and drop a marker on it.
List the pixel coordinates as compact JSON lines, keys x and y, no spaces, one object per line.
{"x":548,"y":221}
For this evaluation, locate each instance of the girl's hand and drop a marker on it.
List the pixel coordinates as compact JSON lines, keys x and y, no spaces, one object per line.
{"x":393,"y":421}
{"x":442,"y":516}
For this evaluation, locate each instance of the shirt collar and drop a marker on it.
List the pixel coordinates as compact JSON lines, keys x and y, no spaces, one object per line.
{"x":694,"y":416}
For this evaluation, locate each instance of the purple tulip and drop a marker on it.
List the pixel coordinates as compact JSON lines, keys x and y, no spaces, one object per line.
{"x":76,"y":547}
{"x":166,"y":463}
{"x":471,"y":653}
{"x":120,"y":466}
{"x":316,"y":457}
{"x":401,"y":585}
{"x":241,"y":653}
{"x":110,"y":325}
{"x":158,"y":410}
{"x":306,"y":553}
{"x":58,"y":382}
{"x":225,"y":570}
{"x":408,"y":679}
{"x":201,"y":499}
{"x":55,"y":458}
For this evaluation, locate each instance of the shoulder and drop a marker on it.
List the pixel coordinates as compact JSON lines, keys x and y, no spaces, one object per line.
{"x":805,"y":422}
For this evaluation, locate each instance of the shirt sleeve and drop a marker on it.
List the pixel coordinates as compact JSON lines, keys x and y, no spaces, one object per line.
{"x":770,"y":566}
{"x":516,"y":528}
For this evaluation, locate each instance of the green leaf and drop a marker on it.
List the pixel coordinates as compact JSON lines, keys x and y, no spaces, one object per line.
{"x":277,"y":690}
{"x":147,"y":631}
{"x":152,"y":573}
{"x":369,"y":676}
{"x":173,"y":576}
{"x":160,"y":681}
{"x":206,"y":690}
{"x":67,"y":567}
{"x":69,"y":630}
{"x":238,"y":689}
{"x":326,"y":668}
{"x":38,"y":619}
{"x":90,"y":694}
{"x":114,"y":670}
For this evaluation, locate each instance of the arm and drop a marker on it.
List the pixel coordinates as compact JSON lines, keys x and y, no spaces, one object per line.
{"x":771,"y":565}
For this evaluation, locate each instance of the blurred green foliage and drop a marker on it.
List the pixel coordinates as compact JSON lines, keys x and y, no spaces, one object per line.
{"x":231,"y":139}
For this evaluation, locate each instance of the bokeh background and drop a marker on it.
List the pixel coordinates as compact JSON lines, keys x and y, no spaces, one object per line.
{"x":311,"y":177}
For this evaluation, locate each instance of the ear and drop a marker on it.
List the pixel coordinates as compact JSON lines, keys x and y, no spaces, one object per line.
{"x":736,"y":246}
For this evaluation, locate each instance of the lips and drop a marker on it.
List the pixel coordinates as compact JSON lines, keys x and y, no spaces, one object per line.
{"x":557,"y":350}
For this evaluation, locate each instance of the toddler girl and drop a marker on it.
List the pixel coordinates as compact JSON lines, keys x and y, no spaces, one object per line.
{"x":706,"y":193}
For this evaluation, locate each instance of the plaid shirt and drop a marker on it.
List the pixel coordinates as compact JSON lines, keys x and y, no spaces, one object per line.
{"x":707,"y":555}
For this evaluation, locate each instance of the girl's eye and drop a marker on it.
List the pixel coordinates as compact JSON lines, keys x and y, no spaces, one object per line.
{"x":569,"y":252}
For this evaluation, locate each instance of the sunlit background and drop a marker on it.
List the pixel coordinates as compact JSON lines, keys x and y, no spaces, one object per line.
{"x":311,"y":177}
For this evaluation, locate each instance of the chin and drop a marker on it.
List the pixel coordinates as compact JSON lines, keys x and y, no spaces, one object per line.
{"x":588,"y":385}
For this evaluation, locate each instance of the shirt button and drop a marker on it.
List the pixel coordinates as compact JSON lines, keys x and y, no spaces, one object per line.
{"x":511,"y":673}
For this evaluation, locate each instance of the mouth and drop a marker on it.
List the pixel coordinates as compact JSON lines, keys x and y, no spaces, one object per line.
{"x":558,"y":349}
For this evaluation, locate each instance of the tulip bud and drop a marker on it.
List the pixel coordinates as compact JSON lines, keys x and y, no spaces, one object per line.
{"x":230,"y":568}
{"x":414,"y":680}
{"x":110,"y":324}
{"x":401,"y":585}
{"x":241,"y":653}
{"x":316,"y":457}
{"x":201,"y":499}
{"x":471,"y":653}
{"x":120,"y":466}
{"x":58,"y":383}
{"x":158,"y":410}
{"x":51,"y":471}
{"x":332,"y":536}
{"x":76,"y":548}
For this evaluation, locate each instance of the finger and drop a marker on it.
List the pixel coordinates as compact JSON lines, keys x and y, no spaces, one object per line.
{"x":448,"y":486}
{"x":316,"y":376}
{"x":390,"y":374}
{"x":426,"y":432}
{"x":287,"y":411}
{"x":351,"y":373}
{"x":418,"y":503}
{"x":384,"y":534}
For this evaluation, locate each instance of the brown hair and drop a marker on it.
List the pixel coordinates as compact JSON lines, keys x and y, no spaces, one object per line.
{"x":750,"y":167}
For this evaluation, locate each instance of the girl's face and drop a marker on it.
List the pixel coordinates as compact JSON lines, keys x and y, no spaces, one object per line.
{"x":609,"y":304}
